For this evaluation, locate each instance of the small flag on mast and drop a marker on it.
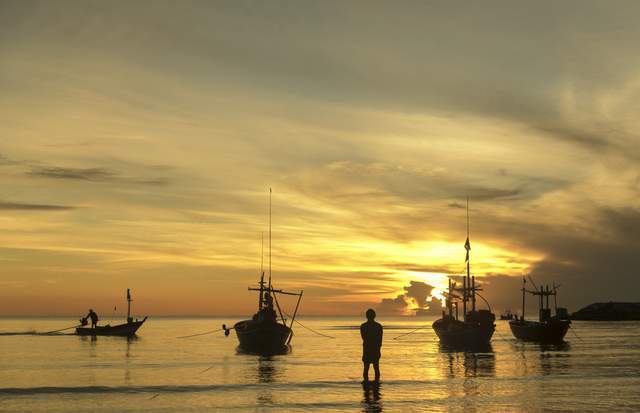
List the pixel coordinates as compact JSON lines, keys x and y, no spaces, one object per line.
{"x":467,"y":246}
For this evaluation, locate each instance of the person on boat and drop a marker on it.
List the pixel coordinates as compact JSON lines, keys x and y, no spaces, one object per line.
{"x":371,"y":333}
{"x":94,"y":318}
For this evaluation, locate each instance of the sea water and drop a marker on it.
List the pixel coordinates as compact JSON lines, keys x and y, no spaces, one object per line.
{"x":597,"y":369}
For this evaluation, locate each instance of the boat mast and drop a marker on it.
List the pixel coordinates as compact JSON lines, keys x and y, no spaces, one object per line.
{"x":128,"y":305}
{"x":269,"y":238}
{"x":261,"y":296}
{"x":524,"y":282}
{"x":448,"y":300}
{"x":541,"y":297}
{"x":548,"y":293}
{"x":470,"y":281}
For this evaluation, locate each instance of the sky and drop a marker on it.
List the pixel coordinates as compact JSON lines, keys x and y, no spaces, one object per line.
{"x":139,"y":140}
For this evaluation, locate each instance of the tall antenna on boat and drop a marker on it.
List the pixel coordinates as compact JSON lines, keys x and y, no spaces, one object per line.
{"x":261,"y":296}
{"x":270,"y":238}
{"x":467,"y":217}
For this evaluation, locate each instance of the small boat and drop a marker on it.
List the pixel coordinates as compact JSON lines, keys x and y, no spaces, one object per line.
{"x":127,"y":329}
{"x":507,"y":315}
{"x":265,"y":333}
{"x":477,"y":326}
{"x":547,"y":329}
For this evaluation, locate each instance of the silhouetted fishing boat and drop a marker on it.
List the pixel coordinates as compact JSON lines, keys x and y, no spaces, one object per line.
{"x":547,"y":329}
{"x":477,"y":326}
{"x":266,"y":332}
{"x":127,"y":329}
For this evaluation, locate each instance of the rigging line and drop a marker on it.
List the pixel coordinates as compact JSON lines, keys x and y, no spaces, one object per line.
{"x":62,"y":329}
{"x":202,"y":334}
{"x":275,"y":297}
{"x":485,"y":301}
{"x":410,"y":332}
{"x":576,"y":334}
{"x":309,"y":328}
{"x":207,"y":369}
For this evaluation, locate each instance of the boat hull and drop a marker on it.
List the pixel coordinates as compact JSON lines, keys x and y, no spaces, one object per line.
{"x":546,"y":332}
{"x":463,"y":334}
{"x":121,"y":330}
{"x":262,"y":336}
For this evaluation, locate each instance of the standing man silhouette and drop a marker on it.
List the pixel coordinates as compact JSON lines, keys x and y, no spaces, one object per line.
{"x":371,"y":333}
{"x":94,"y":318}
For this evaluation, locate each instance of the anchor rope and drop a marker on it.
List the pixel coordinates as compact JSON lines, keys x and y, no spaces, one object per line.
{"x":202,"y":334}
{"x":576,"y":334}
{"x":309,"y":328}
{"x":62,"y":329}
{"x":410,"y":332}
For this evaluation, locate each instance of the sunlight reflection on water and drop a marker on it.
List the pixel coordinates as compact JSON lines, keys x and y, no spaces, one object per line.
{"x":159,"y":372}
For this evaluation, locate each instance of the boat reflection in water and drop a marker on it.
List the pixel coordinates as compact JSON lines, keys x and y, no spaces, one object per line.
{"x":267,"y":373}
{"x":544,"y":358}
{"x":481,"y":362}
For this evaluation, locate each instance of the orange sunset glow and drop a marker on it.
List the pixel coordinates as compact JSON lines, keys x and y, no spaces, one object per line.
{"x":139,"y":145}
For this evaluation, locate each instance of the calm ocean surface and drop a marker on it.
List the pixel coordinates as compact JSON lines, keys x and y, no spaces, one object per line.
{"x":598,"y":369}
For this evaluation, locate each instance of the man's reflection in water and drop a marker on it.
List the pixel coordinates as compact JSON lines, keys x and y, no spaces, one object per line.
{"x":371,"y":401}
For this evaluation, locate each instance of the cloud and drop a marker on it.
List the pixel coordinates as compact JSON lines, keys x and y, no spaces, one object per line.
{"x":91,"y":175}
{"x":396,"y":305}
{"x":17,"y":206}
{"x":595,"y":265}
{"x":84,"y":174}
{"x":419,"y":291}
{"x":372,"y":139}
{"x":414,"y":298}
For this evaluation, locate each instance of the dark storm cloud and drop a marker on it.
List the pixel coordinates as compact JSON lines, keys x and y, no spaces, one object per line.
{"x":18,"y":206}
{"x":599,"y":265}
